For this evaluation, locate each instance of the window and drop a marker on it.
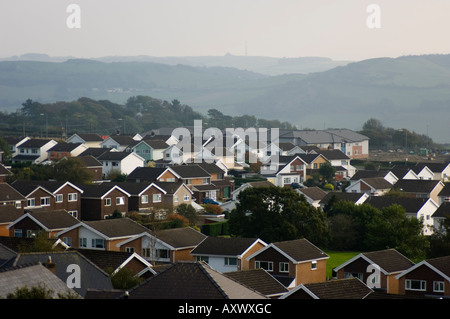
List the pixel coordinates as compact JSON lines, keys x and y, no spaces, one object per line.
{"x":156,"y":198}
{"x":107,"y":201}
{"x":144,"y":199}
{"x":73,"y":213}
{"x":284,"y":267}
{"x":67,"y":241}
{"x":98,"y":243}
{"x":202,"y":258}
{"x":175,"y":198}
{"x":59,"y":198}
{"x":266,"y":265}
{"x":146,"y":252}
{"x":114,"y":164}
{"x":30,"y":202}
{"x":230,"y":261}
{"x":72,"y":197}
{"x":18,"y":204}
{"x":162,"y":253}
{"x":313,"y":265}
{"x":186,"y":198}
{"x":129,"y":249}
{"x":287,"y":180}
{"x":188,"y":181}
{"x":45,"y":201}
{"x":412,"y":284}
{"x":17,"y":232}
{"x":120,"y":200}
{"x":206,"y":180}
{"x":358,"y":275}
{"x":438,"y":286}
{"x":83,"y":242}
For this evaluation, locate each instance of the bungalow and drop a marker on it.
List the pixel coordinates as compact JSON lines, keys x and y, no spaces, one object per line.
{"x":349,"y":288}
{"x":378,"y":269}
{"x":33,"y":150}
{"x":164,"y":246}
{"x":122,"y":162}
{"x":420,"y":188}
{"x":375,"y":186}
{"x":291,"y":262}
{"x":99,"y":201}
{"x":430,"y":277}
{"x":62,"y":150}
{"x":88,"y":139}
{"x":32,"y":222}
{"x":227,"y":254}
{"x":101,"y":234}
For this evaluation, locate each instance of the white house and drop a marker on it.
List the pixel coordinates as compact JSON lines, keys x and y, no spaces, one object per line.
{"x":33,"y":150}
{"x":375,"y":186}
{"x":88,"y":139}
{"x":124,"y":162}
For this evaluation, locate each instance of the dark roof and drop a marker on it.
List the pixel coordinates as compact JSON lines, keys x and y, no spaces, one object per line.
{"x":34,"y":143}
{"x":349,"y":288}
{"x":4,"y":170}
{"x":368,"y":173}
{"x":190,"y":171}
{"x":416,"y":186}
{"x":95,"y":190}
{"x":411,"y":205}
{"x":113,"y":156}
{"x":146,"y":173}
{"x":180,"y":237}
{"x":389,"y":260}
{"x":94,"y":151}
{"x":441,"y":263}
{"x":445,"y":191}
{"x":333,"y":154}
{"x":223,"y":246}
{"x":351,"y":197}
{"x":9,"y":213}
{"x":51,"y":186}
{"x":211,"y":168}
{"x":400,"y":171}
{"x":434,"y":166}
{"x":64,"y":147}
{"x":9,"y":193}
{"x":123,"y":139}
{"x":300,"y":250}
{"x":377,"y":182}
{"x":443,"y":211}
{"x":117,"y":227}
{"x":90,"y":137}
{"x":156,"y":144}
{"x":170,"y":187}
{"x":191,"y":281}
{"x":89,"y":161}
{"x":104,"y":259}
{"x":315,"y":193}
{"x":259,"y":280}
{"x":56,"y":219}
{"x":26,"y":187}
{"x":131,"y":188}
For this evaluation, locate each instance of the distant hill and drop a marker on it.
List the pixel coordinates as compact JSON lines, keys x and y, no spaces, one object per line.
{"x":409,"y":91}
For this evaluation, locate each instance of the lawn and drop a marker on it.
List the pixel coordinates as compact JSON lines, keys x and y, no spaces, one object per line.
{"x":337,"y":258}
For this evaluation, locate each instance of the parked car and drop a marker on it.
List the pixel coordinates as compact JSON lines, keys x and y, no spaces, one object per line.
{"x":210,"y":201}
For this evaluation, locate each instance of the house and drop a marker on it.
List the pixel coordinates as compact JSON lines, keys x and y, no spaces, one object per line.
{"x":441,"y":171}
{"x":356,"y":198}
{"x":150,"y":174}
{"x":313,"y":195}
{"x":71,"y":267}
{"x":88,"y":139}
{"x":420,"y":188}
{"x":420,"y":208}
{"x":31,"y":223}
{"x":51,"y":195}
{"x":349,"y":288}
{"x":235,"y":193}
{"x":340,"y":161}
{"x":430,"y":277}
{"x":33,"y":150}
{"x":94,"y":152}
{"x":227,"y":254}
{"x":181,"y":152}
{"x":118,"y":142}
{"x":375,"y":186}
{"x":150,"y":149}
{"x":120,"y":162}
{"x":4,"y":173}
{"x":351,"y":143}
{"x":100,"y":201}
{"x":197,"y":179}
{"x":10,"y":196}
{"x":291,"y":262}
{"x":176,"y":193}
{"x":440,"y":216}
{"x":101,"y":234}
{"x":223,"y":184}
{"x":190,"y":281}
{"x":164,"y":246}
{"x":404,"y":172}
{"x":290,"y":170}
{"x":93,"y":166}
{"x":377,"y":269}
{"x":386,"y":174}
{"x":33,"y":275}
{"x":114,"y":261}
{"x":8,"y":214}
{"x":14,"y":142}
{"x":259,"y":280}
{"x":144,"y":197}
{"x":62,"y":150}
{"x":444,"y":194}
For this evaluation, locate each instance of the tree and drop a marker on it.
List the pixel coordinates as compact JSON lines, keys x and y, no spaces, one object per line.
{"x":187,"y":211}
{"x":71,"y":169}
{"x":277,"y":214}
{"x":327,"y":171}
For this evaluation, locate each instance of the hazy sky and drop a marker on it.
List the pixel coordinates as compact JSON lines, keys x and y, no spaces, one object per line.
{"x":283,"y":28}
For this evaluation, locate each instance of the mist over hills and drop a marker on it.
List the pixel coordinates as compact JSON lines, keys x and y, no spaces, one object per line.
{"x":405,"y":92}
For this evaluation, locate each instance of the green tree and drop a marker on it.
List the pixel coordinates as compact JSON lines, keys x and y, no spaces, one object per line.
{"x":71,"y":169}
{"x":327,"y":171}
{"x":189,"y":212}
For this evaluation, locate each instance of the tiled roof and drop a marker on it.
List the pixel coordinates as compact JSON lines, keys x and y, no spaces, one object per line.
{"x":113,"y":156}
{"x":315,"y":193}
{"x":445,"y":191}
{"x":190,"y":171}
{"x":441,"y":263}
{"x":377,"y":182}
{"x":169,"y":187}
{"x":146,"y":173}
{"x":368,"y":173}
{"x":223,"y":246}
{"x":117,"y":227}
{"x":25,"y":187}
{"x":300,"y":250}
{"x":4,"y":170}
{"x":443,"y":211}
{"x":94,"y":151}
{"x":192,"y":281}
{"x":9,"y":193}
{"x":89,"y":161}
{"x":34,"y":143}
{"x":9,"y":213}
{"x":411,"y":205}
{"x":180,"y":237}
{"x":64,"y":147}
{"x":389,"y":260}
{"x":259,"y":280}
{"x":95,"y":190}
{"x":104,"y":258}
{"x":56,"y":219}
{"x":90,"y":137}
{"x":416,"y":186}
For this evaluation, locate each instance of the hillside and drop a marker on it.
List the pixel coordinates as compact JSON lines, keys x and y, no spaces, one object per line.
{"x":409,"y":91}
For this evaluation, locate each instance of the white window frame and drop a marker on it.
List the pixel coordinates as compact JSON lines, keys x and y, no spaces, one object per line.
{"x":186,"y":198}
{"x":284,"y":267}
{"x":59,"y":198}
{"x":72,"y":197}
{"x":156,"y":198}
{"x":45,"y":201}
{"x":108,"y":201}
{"x":144,"y":199}
{"x":313,"y":265}
{"x":31,"y":202}
{"x":438,"y":286}
{"x":120,"y":200}
{"x":423,"y":284}
{"x":260,"y":264}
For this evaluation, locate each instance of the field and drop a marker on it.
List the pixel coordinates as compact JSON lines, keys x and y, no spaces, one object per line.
{"x":337,"y":258}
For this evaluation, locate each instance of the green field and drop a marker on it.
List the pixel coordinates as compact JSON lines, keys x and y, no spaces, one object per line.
{"x":337,"y":258}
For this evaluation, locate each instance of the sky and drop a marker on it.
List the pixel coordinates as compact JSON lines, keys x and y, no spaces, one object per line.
{"x":337,"y":29}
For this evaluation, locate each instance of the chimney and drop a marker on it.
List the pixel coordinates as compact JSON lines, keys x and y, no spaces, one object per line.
{"x":50,"y":265}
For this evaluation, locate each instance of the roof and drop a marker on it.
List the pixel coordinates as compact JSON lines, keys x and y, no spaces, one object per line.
{"x":182,"y":237}
{"x":146,"y":173}
{"x":440,"y":265}
{"x":445,"y":191}
{"x":259,"y":280}
{"x":94,"y":151}
{"x":26,"y":187}
{"x":51,"y":186}
{"x":114,"y":156}
{"x":368,"y":173}
{"x":225,"y":246}
{"x":416,"y":186}
{"x":35,"y":143}
{"x":64,"y":147}
{"x":411,"y":205}
{"x":389,"y":260}
{"x":99,"y":190}
{"x":9,"y":193}
{"x":116,"y":227}
{"x":122,"y":139}
{"x":315,"y":193}
{"x":9,"y":213}
{"x":172,"y":187}
{"x":349,"y":288}
{"x":333,"y":154}
{"x":443,"y":211}
{"x":92,"y":277}
{"x":89,"y":137}
{"x":192,"y":281}
{"x":32,"y":275}
{"x":351,"y":197}
{"x":156,"y":144}
{"x":4,"y":170}
{"x":190,"y":171}
{"x":377,"y":182}
{"x":132,"y":188}
{"x":49,"y":220}
{"x":89,"y":161}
